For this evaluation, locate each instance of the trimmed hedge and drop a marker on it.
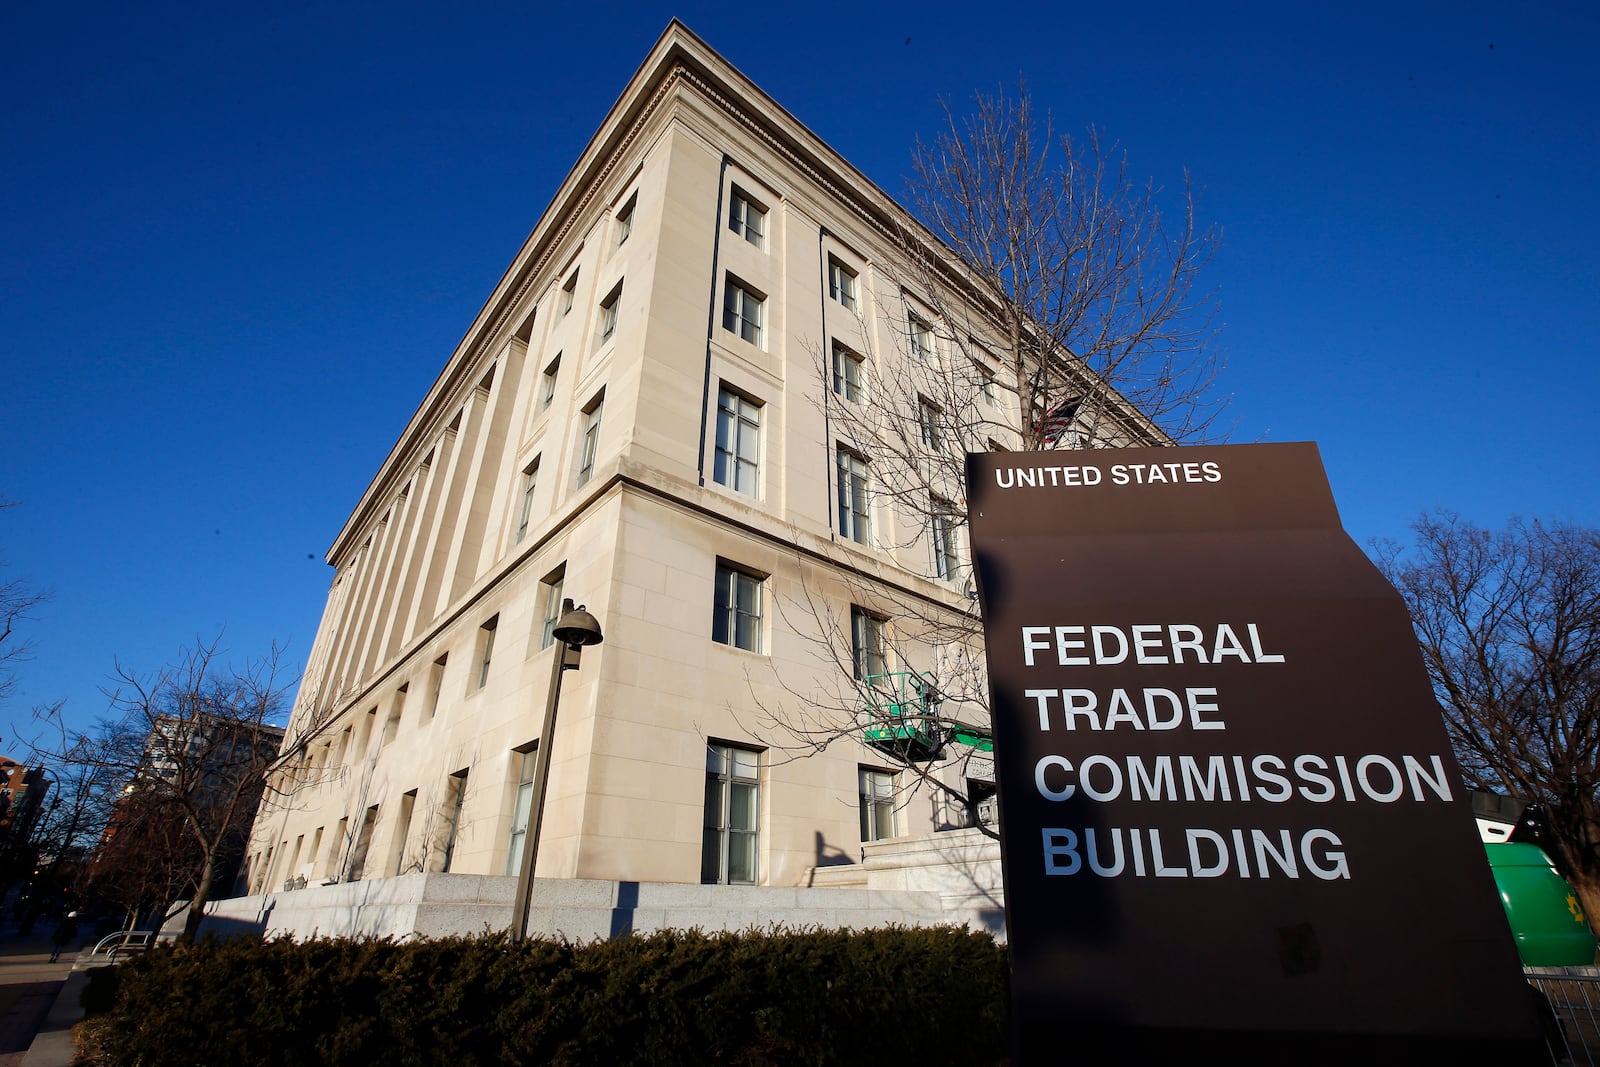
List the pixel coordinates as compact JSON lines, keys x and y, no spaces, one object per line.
{"x":935,"y":995}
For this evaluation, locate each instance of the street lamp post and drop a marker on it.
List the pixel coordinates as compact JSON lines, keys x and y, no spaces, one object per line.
{"x":573,"y":630}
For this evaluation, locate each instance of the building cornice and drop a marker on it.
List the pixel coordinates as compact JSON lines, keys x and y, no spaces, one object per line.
{"x":679,"y":60}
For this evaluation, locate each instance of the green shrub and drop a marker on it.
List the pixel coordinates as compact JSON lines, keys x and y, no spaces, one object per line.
{"x":674,"y":997}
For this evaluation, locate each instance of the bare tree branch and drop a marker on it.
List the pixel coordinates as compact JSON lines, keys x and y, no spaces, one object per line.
{"x":190,"y":748}
{"x":1070,"y":315}
{"x":1509,"y":626}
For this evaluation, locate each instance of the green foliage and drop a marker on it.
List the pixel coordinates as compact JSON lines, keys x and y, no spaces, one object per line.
{"x":675,"y":997}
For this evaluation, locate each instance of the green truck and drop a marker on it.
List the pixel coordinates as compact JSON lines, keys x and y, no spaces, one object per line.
{"x":1545,"y":914}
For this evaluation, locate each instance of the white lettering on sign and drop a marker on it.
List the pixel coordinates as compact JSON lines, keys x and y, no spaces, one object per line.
{"x":1151,"y":643}
{"x":1231,"y":778}
{"x":1198,"y":853}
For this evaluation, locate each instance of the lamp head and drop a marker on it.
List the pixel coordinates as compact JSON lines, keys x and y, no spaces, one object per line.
{"x":577,"y":627}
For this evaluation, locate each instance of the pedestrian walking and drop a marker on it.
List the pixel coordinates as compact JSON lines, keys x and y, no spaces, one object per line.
{"x":66,"y":933}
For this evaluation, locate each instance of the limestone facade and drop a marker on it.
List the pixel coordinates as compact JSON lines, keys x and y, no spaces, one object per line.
{"x":683,"y":290}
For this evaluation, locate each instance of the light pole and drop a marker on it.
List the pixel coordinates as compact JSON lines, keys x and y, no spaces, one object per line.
{"x":573,"y":630}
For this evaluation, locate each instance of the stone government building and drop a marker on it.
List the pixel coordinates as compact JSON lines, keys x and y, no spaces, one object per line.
{"x":634,"y":420}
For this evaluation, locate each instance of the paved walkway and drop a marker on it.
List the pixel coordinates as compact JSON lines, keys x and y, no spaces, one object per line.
{"x":29,"y":984}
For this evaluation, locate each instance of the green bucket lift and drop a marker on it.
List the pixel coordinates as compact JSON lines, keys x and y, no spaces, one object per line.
{"x":904,"y":720}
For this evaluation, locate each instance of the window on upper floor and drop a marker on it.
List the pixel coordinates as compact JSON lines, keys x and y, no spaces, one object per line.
{"x":742,"y":310}
{"x":855,"y":520}
{"x":391,"y":725}
{"x":877,"y":804}
{"x":737,"y":463}
{"x":608,"y":313}
{"x":547,"y":391}
{"x":849,"y":377}
{"x":551,"y":595}
{"x":941,"y":529}
{"x":747,"y":218}
{"x":986,"y":386}
{"x":736,"y":608}
{"x":931,"y":422}
{"x":921,"y":335}
{"x":437,"y":682}
{"x":842,"y":284}
{"x":867,"y":648}
{"x":486,"y":650}
{"x":729,"y":843}
{"x":530,"y":485}
{"x":589,"y":443}
{"x":625,"y":219}
{"x":569,"y":293}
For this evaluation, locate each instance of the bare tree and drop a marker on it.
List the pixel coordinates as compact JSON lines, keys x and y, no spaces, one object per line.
{"x":1509,"y":625}
{"x":1050,"y":303}
{"x":192,"y":747}
{"x":71,"y":822}
{"x":1072,"y":270}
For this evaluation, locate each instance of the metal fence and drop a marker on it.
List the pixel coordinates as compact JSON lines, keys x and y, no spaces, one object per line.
{"x":1572,"y":1023}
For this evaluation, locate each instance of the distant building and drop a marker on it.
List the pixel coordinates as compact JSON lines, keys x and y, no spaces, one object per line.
{"x":635,"y":420}
{"x":22,"y":794}
{"x":201,"y":771}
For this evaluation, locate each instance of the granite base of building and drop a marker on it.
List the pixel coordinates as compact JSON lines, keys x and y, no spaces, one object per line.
{"x":949,"y":878}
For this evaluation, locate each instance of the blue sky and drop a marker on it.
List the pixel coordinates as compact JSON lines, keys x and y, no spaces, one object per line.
{"x":236,"y":247}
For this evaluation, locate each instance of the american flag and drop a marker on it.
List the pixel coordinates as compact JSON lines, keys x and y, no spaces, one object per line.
{"x":1057,"y":420}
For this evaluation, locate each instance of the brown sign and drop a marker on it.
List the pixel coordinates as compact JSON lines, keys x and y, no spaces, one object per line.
{"x":1231,"y":820}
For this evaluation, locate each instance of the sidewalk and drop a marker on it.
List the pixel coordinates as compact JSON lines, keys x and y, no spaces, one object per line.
{"x":30,"y":987}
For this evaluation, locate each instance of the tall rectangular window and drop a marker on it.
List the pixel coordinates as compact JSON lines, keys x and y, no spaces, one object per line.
{"x":294,"y":858}
{"x":921,"y":339}
{"x":438,"y":685}
{"x":941,"y":528}
{"x":986,"y":386}
{"x":866,"y":644}
{"x":590,"y":443}
{"x":747,"y":218}
{"x":486,"y":649}
{"x":523,"y":760}
{"x":738,"y":453}
{"x":732,"y":818}
{"x":741,"y":311}
{"x":358,"y":856}
{"x":455,"y":798}
{"x":877,"y":804}
{"x":336,"y":848}
{"x":391,"y":725}
{"x":931,"y":420}
{"x":736,"y":612}
{"x":608,"y":313}
{"x":547,"y":392}
{"x":552,"y":608}
{"x":842,"y":284}
{"x":569,"y":293}
{"x":848,"y":379}
{"x":530,"y":484}
{"x":402,"y":831}
{"x":854,"y":519}
{"x":625,"y":220}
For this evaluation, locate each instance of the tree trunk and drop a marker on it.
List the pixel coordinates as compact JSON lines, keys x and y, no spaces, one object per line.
{"x":197,"y":903}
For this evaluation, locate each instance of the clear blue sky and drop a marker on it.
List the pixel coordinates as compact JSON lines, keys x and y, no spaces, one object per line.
{"x":237,"y":245}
